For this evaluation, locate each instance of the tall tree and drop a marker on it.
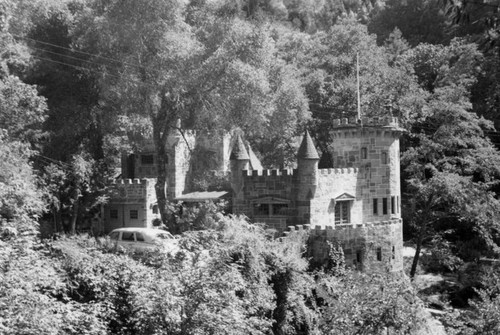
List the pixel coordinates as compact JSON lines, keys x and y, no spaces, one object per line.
{"x":420,"y":21}
{"x":327,"y":61}
{"x":451,"y":166}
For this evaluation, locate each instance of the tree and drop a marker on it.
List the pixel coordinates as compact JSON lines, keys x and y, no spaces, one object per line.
{"x":22,"y":201}
{"x":163,"y":65}
{"x":327,"y":61}
{"x":419,"y":21}
{"x":450,"y":165}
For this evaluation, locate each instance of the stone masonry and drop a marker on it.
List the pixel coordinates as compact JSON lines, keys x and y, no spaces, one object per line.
{"x":355,"y":203}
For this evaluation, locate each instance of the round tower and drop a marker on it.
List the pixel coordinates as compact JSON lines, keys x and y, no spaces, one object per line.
{"x":307,"y":169}
{"x":239,"y":161}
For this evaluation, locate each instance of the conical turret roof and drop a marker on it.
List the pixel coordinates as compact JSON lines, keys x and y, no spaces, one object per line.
{"x":239,"y":152}
{"x":307,"y":149}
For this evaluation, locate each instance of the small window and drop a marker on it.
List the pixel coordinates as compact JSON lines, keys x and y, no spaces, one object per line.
{"x":127,"y":236}
{"x":393,"y":205}
{"x":375,"y":206}
{"x":155,"y":209}
{"x":384,"y":158}
{"x":364,"y":153}
{"x":139,"y":237}
{"x":113,"y":213}
{"x":147,"y":159}
{"x":379,"y":254}
{"x":134,"y":214}
{"x":393,"y":252}
{"x":384,"y":206}
{"x":359,"y":257}
{"x":279,"y":209}
{"x":261,"y":209}
{"x":342,"y":212}
{"x":114,"y":235}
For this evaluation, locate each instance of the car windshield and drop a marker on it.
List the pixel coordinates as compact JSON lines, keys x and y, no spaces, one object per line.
{"x":114,"y":235}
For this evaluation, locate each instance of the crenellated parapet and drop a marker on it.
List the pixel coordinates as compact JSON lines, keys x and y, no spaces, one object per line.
{"x":386,"y":121}
{"x":128,"y":181}
{"x":318,"y":229}
{"x":132,"y":190}
{"x":372,"y":246}
{"x":268,"y":173}
{"x":338,"y":171}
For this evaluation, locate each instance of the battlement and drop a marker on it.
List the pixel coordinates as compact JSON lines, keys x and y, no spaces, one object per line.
{"x":128,"y":181}
{"x":338,"y":171}
{"x":321,"y":229}
{"x":266,"y":173}
{"x":387,"y":121}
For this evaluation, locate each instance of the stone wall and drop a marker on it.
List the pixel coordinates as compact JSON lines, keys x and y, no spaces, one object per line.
{"x":370,"y":247}
{"x":130,"y":195}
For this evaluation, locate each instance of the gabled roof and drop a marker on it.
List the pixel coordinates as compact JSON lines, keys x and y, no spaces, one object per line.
{"x":307,"y":149}
{"x":239,"y":152}
{"x":344,"y":196}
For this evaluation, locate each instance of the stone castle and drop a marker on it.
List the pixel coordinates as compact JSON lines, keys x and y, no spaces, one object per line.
{"x":355,"y":203}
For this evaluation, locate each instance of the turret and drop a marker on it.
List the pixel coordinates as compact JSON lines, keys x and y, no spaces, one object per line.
{"x":239,"y":160}
{"x":307,"y":166}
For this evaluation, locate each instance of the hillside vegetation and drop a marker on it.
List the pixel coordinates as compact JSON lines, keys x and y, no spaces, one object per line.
{"x":81,"y":81}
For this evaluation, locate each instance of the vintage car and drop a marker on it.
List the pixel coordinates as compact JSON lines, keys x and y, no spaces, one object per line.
{"x":142,"y":238}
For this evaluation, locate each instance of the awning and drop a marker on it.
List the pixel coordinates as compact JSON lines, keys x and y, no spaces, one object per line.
{"x":201,"y":196}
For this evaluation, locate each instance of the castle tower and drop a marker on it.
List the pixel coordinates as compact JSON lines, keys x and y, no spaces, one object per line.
{"x":306,"y":180}
{"x":239,"y":161}
{"x":373,"y":148}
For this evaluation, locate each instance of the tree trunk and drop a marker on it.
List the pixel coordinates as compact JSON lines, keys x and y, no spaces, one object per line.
{"x":418,"y":248}
{"x":161,"y":181}
{"x":421,"y":234}
{"x":74,"y":217}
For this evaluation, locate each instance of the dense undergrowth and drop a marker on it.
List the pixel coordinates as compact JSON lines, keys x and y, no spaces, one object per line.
{"x":232,"y":279}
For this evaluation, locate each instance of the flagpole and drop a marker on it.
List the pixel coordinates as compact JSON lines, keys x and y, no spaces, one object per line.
{"x":357,"y":82}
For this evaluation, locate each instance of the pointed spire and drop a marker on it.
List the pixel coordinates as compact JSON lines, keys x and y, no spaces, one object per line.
{"x":239,"y":152}
{"x":307,"y":149}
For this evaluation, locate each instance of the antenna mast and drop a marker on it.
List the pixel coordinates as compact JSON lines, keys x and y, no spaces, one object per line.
{"x":357,"y":81}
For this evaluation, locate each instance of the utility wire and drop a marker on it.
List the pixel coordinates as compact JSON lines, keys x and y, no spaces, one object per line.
{"x":81,"y":52}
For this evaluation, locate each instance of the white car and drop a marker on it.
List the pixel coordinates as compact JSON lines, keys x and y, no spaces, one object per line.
{"x":142,"y":238}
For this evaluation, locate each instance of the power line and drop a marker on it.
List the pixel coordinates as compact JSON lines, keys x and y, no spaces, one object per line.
{"x":81,"y":52}
{"x":94,"y":70}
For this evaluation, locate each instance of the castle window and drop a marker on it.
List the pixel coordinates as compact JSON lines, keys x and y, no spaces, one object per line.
{"x":261,"y":209}
{"x":364,"y":153}
{"x":359,"y":257}
{"x":393,"y":205}
{"x":375,"y":206}
{"x":147,"y":159}
{"x":342,"y":208}
{"x":134,"y":214}
{"x":379,"y":254}
{"x":343,"y":212}
{"x":270,"y":206}
{"x":279,"y":209}
{"x":393,"y":252}
{"x":384,"y":206}
{"x":155,"y":209}
{"x":113,"y":213}
{"x":384,"y":158}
